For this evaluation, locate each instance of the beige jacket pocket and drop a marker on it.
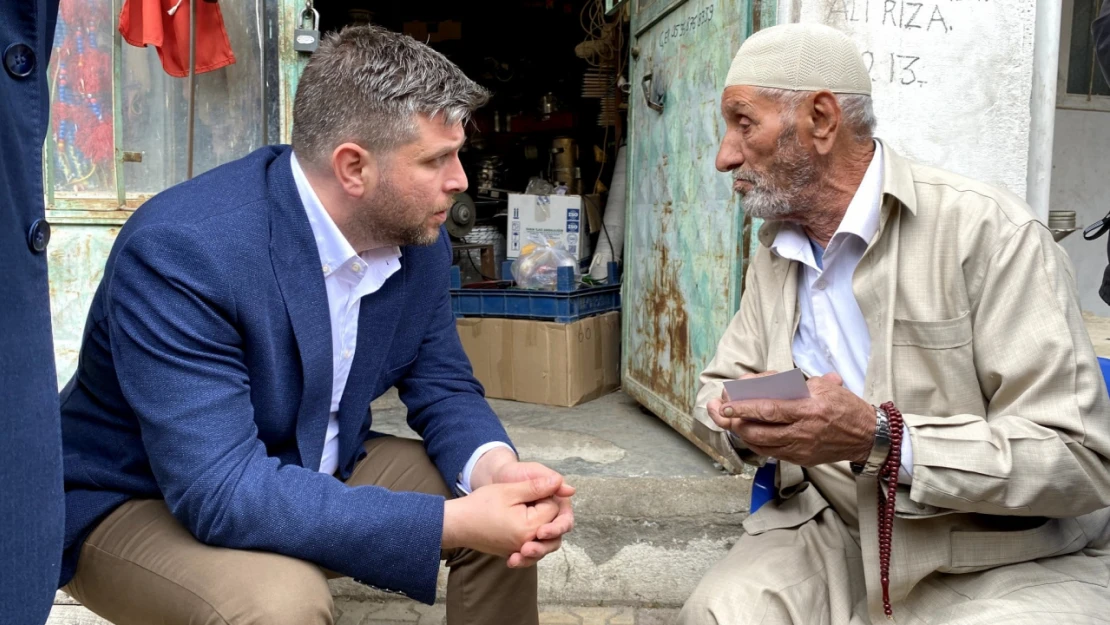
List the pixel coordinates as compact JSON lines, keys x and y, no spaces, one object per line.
{"x":787,"y":513}
{"x":979,"y":550}
{"x":933,"y":366}
{"x":939,"y":334}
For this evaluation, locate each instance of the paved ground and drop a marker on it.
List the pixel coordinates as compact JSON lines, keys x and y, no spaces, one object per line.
{"x":608,"y":437}
{"x":402,"y":613}
{"x":383,"y":614}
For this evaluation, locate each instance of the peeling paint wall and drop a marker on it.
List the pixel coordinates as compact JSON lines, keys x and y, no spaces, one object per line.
{"x":682,"y":260}
{"x":78,"y":250}
{"x":84,"y":228}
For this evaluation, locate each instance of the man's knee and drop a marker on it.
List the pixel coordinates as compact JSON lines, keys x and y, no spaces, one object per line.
{"x":253,"y":599}
{"x":707,"y":605}
{"x":306,"y":601}
{"x":768,"y":579}
{"x":275,"y":590}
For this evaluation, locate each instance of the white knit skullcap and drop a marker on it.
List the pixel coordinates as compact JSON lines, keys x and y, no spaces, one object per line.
{"x":800,"y":57}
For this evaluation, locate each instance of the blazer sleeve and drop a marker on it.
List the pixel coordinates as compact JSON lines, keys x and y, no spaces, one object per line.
{"x":180,"y":362}
{"x":446,"y":404}
{"x":1043,"y":447}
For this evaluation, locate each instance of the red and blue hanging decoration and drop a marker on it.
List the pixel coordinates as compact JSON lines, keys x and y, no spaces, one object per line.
{"x":82,"y":112}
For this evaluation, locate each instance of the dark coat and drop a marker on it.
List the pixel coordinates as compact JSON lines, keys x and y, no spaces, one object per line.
{"x":30,"y":450}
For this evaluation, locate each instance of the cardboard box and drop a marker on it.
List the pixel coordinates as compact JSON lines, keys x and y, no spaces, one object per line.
{"x":557,"y":217}
{"x":542,"y":362}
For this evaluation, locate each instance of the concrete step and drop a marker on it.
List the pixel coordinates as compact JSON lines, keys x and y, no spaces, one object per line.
{"x":652,"y":511}
{"x":402,"y":612}
{"x":652,"y":515}
{"x":366,"y":613}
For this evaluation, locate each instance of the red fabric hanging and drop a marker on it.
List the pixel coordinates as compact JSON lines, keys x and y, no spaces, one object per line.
{"x":164,"y":24}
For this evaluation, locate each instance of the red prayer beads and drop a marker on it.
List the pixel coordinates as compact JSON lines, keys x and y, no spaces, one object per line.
{"x":888,"y":475}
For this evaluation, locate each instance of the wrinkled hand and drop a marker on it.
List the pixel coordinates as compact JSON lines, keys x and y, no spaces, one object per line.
{"x":832,"y":425}
{"x":715,"y":405}
{"x":549,"y":537}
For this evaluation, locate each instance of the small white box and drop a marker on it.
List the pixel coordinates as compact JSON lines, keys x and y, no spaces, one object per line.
{"x":556,"y":217}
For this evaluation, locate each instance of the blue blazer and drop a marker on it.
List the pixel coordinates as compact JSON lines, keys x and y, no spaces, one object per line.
{"x":30,"y":439}
{"x":205,"y":378}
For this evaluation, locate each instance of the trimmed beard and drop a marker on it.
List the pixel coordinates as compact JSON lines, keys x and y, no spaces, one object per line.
{"x":780,"y":193}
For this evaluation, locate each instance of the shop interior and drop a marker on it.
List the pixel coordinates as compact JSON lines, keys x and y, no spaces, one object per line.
{"x":557,"y":72}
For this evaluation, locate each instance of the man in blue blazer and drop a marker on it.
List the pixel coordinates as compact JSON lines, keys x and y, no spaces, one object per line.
{"x":30,"y":443}
{"x":219,"y":461}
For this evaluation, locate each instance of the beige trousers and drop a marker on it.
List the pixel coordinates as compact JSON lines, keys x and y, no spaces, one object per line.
{"x":813,"y":574}
{"x":140,"y":566}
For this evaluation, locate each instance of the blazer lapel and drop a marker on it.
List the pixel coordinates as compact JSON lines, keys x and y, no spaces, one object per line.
{"x":378,"y":316}
{"x":297,"y":267}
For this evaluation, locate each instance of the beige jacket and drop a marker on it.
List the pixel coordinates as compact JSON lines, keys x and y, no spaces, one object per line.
{"x":977,"y":337}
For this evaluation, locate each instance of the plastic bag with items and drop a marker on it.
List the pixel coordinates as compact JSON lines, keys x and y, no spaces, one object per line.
{"x":537,"y":267}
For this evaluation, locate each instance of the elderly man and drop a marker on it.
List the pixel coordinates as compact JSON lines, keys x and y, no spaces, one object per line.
{"x":950,"y":464}
{"x":219,"y":462}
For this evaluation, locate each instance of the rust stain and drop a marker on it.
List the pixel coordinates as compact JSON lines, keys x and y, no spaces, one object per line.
{"x":682,"y":257}
{"x":664,"y":355}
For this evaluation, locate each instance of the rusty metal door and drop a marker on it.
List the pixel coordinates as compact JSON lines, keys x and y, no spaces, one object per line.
{"x":685,"y":231}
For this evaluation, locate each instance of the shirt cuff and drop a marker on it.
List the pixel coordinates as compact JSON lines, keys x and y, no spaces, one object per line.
{"x":905,"y":472}
{"x":464,"y":477}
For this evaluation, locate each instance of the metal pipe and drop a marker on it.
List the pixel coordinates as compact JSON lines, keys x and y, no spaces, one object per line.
{"x":1042,"y":106}
{"x":260,"y":25}
{"x":117,"y":110}
{"x":192,"y":86}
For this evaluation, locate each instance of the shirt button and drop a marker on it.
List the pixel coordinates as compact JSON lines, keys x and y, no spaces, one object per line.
{"x":820,"y":285}
{"x":19,"y":60}
{"x":327,"y":268}
{"x":346,"y":353}
{"x":357,"y":268}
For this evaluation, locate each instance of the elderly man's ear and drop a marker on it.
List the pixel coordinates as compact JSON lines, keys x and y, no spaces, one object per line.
{"x":825,"y":116}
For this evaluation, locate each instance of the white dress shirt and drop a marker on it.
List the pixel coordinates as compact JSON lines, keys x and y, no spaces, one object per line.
{"x":349,"y":277}
{"x":832,"y":334}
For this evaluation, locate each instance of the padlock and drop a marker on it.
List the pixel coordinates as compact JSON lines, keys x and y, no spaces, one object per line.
{"x":307,"y":39}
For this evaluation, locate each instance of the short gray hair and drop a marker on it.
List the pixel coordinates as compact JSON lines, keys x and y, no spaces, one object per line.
{"x":859,"y":115}
{"x":366,"y":85}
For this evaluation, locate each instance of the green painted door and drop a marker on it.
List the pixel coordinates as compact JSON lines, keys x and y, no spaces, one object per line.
{"x":685,"y":229}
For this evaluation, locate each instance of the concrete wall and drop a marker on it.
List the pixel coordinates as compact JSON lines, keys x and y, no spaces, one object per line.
{"x":1081,"y":182}
{"x":945,"y":92}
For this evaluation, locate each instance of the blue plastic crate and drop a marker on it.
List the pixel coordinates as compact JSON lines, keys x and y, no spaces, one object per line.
{"x":568,"y":303}
{"x":1104,"y":364}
